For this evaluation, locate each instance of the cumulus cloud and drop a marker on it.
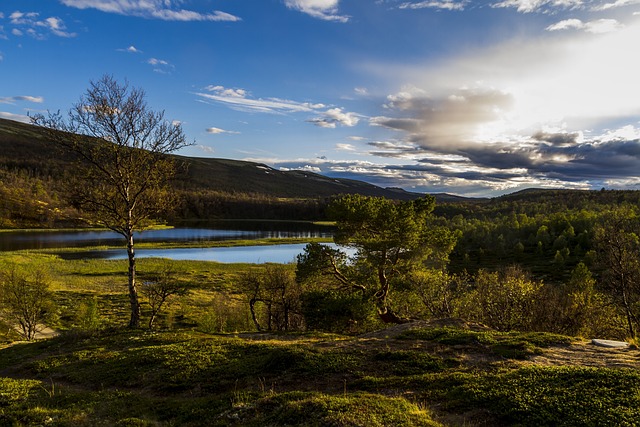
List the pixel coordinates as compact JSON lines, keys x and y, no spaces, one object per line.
{"x":558,"y":79}
{"x":31,"y":24}
{"x":326,"y":10}
{"x":450,"y":121}
{"x":166,"y":10}
{"x":242,"y":100}
{"x":335,"y":116}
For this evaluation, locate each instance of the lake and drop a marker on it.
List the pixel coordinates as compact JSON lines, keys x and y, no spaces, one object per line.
{"x":221,"y":231}
{"x":244,"y":254}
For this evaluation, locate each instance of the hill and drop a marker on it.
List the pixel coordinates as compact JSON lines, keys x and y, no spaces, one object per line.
{"x":24,"y":147}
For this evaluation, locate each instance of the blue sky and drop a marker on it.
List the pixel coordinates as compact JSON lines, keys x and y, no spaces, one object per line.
{"x":476,"y":98}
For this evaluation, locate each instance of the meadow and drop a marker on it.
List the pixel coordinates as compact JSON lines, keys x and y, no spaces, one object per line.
{"x":206,"y":365}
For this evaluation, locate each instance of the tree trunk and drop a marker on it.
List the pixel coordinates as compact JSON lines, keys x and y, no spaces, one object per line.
{"x":628,"y":312}
{"x":134,"y":321}
{"x":252,"y":307}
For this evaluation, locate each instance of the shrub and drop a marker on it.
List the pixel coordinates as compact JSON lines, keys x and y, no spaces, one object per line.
{"x":335,"y":311}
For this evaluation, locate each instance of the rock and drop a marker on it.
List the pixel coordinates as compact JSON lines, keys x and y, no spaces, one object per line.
{"x":610,"y":343}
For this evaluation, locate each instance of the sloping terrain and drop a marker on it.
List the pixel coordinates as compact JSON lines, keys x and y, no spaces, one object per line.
{"x":24,"y":147}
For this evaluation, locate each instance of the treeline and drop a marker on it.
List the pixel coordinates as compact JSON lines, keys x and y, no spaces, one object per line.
{"x":30,"y":198}
{"x":574,"y":272}
{"x":207,"y":205}
{"x":548,"y":232}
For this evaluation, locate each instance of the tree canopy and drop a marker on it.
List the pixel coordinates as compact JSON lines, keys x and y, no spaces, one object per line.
{"x":388,"y":240}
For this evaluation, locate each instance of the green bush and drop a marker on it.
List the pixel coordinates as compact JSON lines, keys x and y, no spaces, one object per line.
{"x":334,"y":311}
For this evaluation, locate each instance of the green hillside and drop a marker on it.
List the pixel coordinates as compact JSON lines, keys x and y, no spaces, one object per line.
{"x":24,"y":147}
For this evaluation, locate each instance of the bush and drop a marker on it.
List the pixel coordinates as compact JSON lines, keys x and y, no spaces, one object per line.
{"x":26,"y":301}
{"x":334,"y":311}
{"x":503,"y":300}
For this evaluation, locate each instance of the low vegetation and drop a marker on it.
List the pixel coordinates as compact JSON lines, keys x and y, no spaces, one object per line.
{"x":429,"y":376}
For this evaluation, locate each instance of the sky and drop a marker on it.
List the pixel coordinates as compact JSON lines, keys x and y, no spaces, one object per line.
{"x":474,"y":98}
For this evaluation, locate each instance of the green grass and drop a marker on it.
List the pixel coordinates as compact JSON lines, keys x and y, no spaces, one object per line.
{"x":211,"y":286}
{"x":512,"y":345}
{"x":167,"y":378}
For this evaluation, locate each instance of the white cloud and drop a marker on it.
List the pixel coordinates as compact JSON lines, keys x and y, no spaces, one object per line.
{"x":217,"y":131}
{"x":240,"y":99}
{"x":130,"y":49}
{"x":17,"y":117}
{"x":572,"y":80}
{"x":160,"y":65}
{"x":616,"y":4}
{"x":26,"y":98}
{"x":322,"y":9}
{"x":309,"y":168}
{"x":150,"y":9}
{"x":528,"y":6}
{"x":435,"y":4}
{"x":335,"y":116}
{"x":599,"y":26}
{"x":227,"y":92}
{"x":30,"y":24}
{"x":345,"y":147}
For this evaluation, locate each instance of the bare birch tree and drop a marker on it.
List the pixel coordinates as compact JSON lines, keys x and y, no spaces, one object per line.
{"x":122,"y":149}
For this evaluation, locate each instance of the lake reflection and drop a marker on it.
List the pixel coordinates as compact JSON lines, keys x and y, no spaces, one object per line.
{"x":242,"y":254}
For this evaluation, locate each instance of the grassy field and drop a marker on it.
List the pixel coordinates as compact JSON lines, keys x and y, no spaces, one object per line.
{"x":429,"y":376}
{"x":205,"y":366}
{"x":212,"y":299}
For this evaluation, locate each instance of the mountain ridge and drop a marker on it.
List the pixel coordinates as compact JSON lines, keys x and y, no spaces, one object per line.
{"x":24,"y":146}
